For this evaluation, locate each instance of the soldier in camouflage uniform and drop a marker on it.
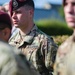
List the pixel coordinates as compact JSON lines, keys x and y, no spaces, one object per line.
{"x":13,"y":62}
{"x":67,"y":66}
{"x":69,"y":44}
{"x":38,"y":47}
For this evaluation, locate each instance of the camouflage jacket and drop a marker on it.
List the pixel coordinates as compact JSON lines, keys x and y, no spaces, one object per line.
{"x":13,"y":62}
{"x":39,"y":49}
{"x":64,"y":50}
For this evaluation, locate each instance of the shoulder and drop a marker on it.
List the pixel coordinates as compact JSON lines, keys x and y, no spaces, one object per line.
{"x":14,"y":35}
{"x":65,"y":45}
{"x":63,"y":50}
{"x":46,"y":38}
{"x":43,"y":35}
{"x":47,"y":43}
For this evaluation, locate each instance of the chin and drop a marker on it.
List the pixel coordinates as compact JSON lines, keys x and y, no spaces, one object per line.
{"x":71,"y":25}
{"x":15,"y":25}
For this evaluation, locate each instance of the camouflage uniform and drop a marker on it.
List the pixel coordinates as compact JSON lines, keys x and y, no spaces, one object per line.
{"x":63,"y":51}
{"x":13,"y":62}
{"x":39,"y":49}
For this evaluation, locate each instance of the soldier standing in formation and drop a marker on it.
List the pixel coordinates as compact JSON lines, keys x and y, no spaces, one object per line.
{"x":69,"y":44}
{"x":38,"y":47}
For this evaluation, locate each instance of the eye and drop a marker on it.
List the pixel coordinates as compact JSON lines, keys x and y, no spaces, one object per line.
{"x":17,"y":12}
{"x":73,"y":3}
{"x":65,"y":3}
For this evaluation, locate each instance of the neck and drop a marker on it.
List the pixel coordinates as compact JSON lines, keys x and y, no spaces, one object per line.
{"x":26,"y":30}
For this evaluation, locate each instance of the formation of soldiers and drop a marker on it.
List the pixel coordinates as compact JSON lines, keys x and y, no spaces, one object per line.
{"x":26,"y":50}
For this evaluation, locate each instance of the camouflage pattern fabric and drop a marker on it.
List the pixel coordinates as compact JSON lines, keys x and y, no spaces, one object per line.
{"x":63,"y":55}
{"x":39,"y":49}
{"x":13,"y":62}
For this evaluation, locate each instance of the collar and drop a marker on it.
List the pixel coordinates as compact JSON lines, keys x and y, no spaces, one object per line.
{"x":27,"y":38}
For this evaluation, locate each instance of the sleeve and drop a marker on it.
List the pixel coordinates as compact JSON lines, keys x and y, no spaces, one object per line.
{"x":50,"y":50}
{"x":43,"y":58}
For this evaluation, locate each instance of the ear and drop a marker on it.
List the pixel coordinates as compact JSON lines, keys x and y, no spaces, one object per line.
{"x":31,"y":12}
{"x":6,"y":33}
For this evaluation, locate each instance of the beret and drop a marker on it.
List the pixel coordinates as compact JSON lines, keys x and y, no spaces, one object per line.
{"x":5,"y":19}
{"x":15,"y":4}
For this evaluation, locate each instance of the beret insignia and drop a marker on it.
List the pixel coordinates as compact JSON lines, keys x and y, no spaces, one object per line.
{"x":15,"y":4}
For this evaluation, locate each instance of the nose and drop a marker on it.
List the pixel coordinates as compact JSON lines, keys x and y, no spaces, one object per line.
{"x":14,"y":16}
{"x":70,"y":9}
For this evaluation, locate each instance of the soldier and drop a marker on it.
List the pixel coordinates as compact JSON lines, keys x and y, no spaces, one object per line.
{"x":6,"y":7}
{"x":69,"y":44}
{"x":2,"y":8}
{"x":5,"y":26}
{"x":38,"y":47}
{"x":68,"y":66}
{"x":12,"y":62}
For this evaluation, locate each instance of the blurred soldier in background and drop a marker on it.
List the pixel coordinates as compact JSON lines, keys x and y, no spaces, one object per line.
{"x":5,"y":26}
{"x":67,"y":66}
{"x":6,"y":7}
{"x":2,"y":8}
{"x":69,"y":44}
{"x":38,"y":47}
{"x":12,"y":62}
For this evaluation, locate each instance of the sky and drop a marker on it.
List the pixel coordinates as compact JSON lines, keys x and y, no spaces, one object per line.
{"x":38,"y":3}
{"x":4,"y":1}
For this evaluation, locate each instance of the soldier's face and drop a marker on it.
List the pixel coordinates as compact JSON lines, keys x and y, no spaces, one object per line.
{"x":69,"y":10}
{"x":21,"y":17}
{"x":5,"y":34}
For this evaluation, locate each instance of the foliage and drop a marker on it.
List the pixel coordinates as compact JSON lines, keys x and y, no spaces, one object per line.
{"x":60,"y":39}
{"x":54,"y":27}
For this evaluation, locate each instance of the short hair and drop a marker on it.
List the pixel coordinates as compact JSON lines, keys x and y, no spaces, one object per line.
{"x":31,"y":4}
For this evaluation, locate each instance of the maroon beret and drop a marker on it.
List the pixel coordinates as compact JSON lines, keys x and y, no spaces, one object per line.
{"x":10,"y":7}
{"x":15,"y":4}
{"x":5,"y":19}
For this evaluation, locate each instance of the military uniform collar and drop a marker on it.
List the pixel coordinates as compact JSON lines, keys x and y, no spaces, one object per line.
{"x":30,"y":36}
